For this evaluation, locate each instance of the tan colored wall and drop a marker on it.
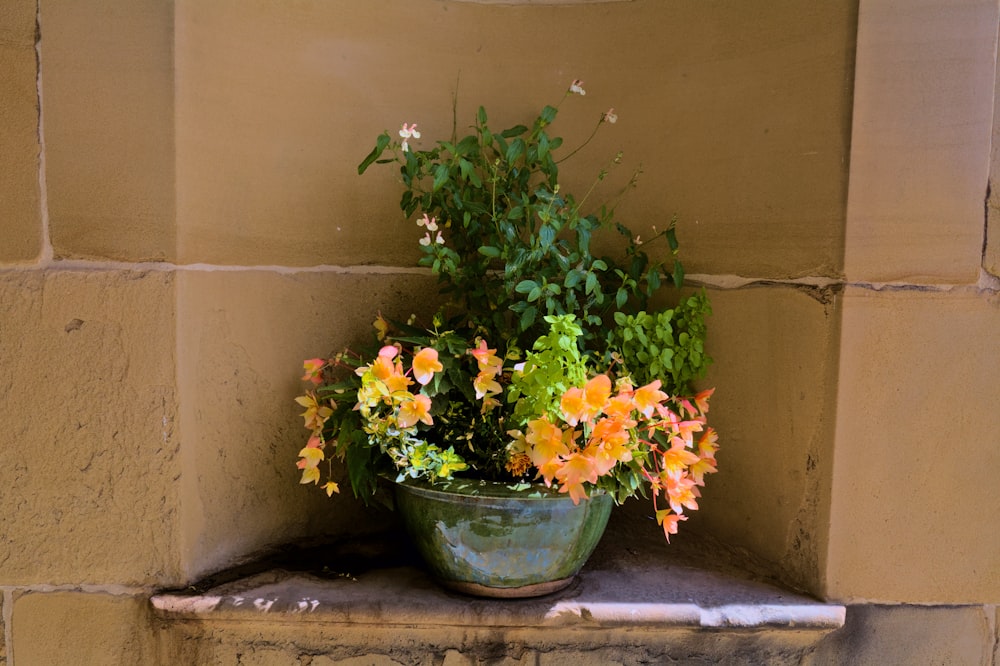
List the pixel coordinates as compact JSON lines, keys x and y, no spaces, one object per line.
{"x":268,"y":137}
{"x":202,"y":229}
{"x":19,"y":208}
{"x":775,"y":372}
{"x":242,"y":336}
{"x":916,"y":457}
{"x":90,"y":451}
{"x":109,"y":129}
{"x":991,"y":252}
{"x":914,"y":500}
{"x":921,"y":141}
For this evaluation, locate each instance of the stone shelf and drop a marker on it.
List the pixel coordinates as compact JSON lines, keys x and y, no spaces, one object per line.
{"x":634,"y":580}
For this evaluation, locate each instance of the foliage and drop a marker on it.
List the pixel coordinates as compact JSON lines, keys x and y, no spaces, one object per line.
{"x":574,"y":334}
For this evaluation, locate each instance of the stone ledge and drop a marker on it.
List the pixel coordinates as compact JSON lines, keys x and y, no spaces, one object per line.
{"x":695,"y":583}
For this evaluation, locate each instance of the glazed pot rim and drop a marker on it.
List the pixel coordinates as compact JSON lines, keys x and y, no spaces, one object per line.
{"x":474,"y":488}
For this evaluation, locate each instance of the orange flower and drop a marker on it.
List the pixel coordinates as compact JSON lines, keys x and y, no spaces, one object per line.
{"x":313,"y":368}
{"x":486,"y":358}
{"x":572,"y":405}
{"x":547,"y":445}
{"x":596,"y":394}
{"x":573,"y":473}
{"x":681,"y":492}
{"x":708,"y":444}
{"x":701,"y":400}
{"x":417,"y":409}
{"x":425,"y":364}
{"x":383,"y":367}
{"x":669,"y":522}
{"x":677,"y":459}
{"x":648,"y":398}
{"x":582,"y":405}
{"x":485,"y":384}
{"x":699,"y":469}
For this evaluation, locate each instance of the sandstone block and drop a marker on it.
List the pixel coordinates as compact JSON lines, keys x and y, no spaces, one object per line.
{"x":277,"y":106}
{"x":89,"y":449}
{"x":879,"y":635}
{"x":80,"y":628}
{"x":923,"y":101}
{"x":244,"y":336}
{"x":108,"y":90}
{"x":914,"y":474}
{"x":775,"y":352}
{"x":19,"y":191}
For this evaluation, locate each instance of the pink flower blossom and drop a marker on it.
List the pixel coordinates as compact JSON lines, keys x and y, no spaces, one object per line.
{"x":408,"y":132}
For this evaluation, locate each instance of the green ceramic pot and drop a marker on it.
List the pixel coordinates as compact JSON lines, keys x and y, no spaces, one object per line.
{"x":492,"y":539}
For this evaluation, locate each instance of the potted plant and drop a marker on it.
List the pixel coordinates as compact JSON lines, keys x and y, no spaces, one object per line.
{"x":545,"y":382}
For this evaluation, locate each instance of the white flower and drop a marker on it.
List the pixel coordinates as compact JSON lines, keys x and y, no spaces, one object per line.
{"x":426,"y":240}
{"x":577,"y":87}
{"x":408,"y":132}
{"x":440,"y":239}
{"x":429,"y":222}
{"x":610,"y":116}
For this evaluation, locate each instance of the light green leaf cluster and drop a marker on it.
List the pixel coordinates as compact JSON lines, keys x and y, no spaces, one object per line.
{"x":554,"y":365}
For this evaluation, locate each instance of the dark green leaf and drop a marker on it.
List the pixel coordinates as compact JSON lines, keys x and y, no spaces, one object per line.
{"x":525,"y":286}
{"x":441,"y":175}
{"x":380,"y":145}
{"x":514,"y":131}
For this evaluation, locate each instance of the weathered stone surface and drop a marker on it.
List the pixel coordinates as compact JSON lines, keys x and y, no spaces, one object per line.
{"x":914,"y":472}
{"x":738,"y":115}
{"x":81,"y":628}
{"x":991,"y":253}
{"x":19,"y":192}
{"x":89,"y":448}
{"x":108,"y":91}
{"x":638,"y":600}
{"x":244,"y":335}
{"x":877,"y":635}
{"x":3,"y":632}
{"x":923,"y":110}
{"x":775,"y":352}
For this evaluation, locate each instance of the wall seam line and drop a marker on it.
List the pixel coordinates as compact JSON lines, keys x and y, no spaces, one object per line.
{"x":986,"y":283}
{"x":8,"y":633}
{"x":46,"y":254}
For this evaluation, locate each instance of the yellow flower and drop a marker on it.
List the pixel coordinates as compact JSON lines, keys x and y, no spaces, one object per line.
{"x":316,"y":414}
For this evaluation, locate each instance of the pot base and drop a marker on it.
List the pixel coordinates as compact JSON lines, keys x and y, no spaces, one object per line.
{"x":522,"y":592}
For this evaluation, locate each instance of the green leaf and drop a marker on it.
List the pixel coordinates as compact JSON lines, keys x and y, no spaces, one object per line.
{"x":525,"y":286}
{"x":678,"y":274}
{"x":489,"y":251}
{"x":380,"y":145}
{"x":516,"y":130}
{"x":548,"y":114}
{"x":546,"y":235}
{"x":441,"y":175}
{"x":481,"y":116}
{"x":515,"y":150}
{"x":672,"y":238}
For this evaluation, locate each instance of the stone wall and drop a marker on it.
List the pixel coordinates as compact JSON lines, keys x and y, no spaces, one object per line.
{"x":183,"y":223}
